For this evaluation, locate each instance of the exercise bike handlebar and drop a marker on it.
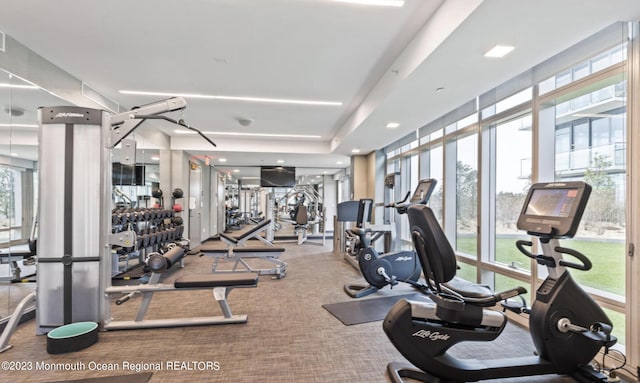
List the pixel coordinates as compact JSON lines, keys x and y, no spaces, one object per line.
{"x":585,"y":263}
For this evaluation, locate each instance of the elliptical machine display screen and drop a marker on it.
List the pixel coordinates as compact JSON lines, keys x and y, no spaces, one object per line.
{"x":423,"y":191}
{"x":554,"y":209}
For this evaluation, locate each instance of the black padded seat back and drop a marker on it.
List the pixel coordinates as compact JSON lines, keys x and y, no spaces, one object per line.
{"x":432,"y":246}
{"x":301,"y":216}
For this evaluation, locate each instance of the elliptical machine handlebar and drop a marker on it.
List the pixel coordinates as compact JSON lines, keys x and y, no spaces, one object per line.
{"x":394,"y":204}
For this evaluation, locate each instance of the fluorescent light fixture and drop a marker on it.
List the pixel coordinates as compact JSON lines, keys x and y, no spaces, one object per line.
{"x":6,"y":85}
{"x":393,"y":125}
{"x":18,"y":125}
{"x":236,"y":170}
{"x":234,"y":98}
{"x":339,"y":163}
{"x":222,"y":159}
{"x":355,"y":150}
{"x":381,"y":3}
{"x":179,"y":131}
{"x":15,"y":154}
{"x":280,"y":161}
{"x":250,"y":178}
{"x":155,"y":158}
{"x":498,"y":51}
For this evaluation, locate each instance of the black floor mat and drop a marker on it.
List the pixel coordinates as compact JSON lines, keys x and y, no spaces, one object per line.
{"x":367,"y":310}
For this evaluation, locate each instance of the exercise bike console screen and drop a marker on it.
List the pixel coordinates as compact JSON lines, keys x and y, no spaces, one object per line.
{"x":423,"y":191}
{"x":554,"y":208}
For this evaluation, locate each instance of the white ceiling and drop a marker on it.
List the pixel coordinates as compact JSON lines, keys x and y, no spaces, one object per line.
{"x":382,"y":64}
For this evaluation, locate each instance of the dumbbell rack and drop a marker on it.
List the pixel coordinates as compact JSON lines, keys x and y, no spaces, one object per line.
{"x":154,"y":228}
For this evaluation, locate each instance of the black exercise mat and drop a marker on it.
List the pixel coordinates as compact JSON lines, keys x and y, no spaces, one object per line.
{"x":143,"y":377}
{"x":367,"y":310}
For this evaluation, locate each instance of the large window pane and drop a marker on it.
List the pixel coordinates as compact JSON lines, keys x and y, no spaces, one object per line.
{"x":597,"y":157}
{"x":512,"y":181}
{"x":467,"y":194}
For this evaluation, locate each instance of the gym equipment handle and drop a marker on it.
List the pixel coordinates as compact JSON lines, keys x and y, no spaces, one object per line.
{"x":521,"y":243}
{"x":394,"y":204}
{"x":586,"y":263}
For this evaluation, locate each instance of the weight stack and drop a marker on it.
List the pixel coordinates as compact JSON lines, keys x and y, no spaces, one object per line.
{"x":74,"y":182}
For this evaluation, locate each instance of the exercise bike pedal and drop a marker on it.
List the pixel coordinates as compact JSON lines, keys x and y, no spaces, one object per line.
{"x":518,"y":307}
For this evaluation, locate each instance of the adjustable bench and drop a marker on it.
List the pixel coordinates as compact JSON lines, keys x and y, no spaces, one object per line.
{"x":238,"y":251}
{"x":240,"y":240}
{"x":269,"y":254}
{"x":222,"y":284}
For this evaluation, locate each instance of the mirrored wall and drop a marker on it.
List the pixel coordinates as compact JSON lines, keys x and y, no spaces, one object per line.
{"x":19,"y":101}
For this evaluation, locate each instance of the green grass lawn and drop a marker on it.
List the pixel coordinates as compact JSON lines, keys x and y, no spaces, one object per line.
{"x":608,"y":259}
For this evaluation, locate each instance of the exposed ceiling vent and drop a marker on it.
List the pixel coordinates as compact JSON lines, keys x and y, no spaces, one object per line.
{"x":2,"y":41}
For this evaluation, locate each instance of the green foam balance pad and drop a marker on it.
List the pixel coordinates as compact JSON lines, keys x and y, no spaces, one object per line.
{"x":72,"y":337}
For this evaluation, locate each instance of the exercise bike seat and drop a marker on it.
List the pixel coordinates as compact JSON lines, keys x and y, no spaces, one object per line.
{"x":439,"y":263}
{"x":478,"y":294}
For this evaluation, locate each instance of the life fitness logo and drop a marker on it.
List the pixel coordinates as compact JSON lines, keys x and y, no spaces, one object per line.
{"x":426,"y":334}
{"x":67,"y":115}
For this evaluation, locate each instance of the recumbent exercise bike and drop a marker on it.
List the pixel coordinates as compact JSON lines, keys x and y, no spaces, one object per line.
{"x":380,"y":270}
{"x":567,"y":326}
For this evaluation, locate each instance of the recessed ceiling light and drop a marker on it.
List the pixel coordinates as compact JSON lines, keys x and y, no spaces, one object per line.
{"x":355,"y":150}
{"x":236,"y":170}
{"x":498,"y":51}
{"x":339,"y":163}
{"x":234,"y":98}
{"x":393,"y":125}
{"x":280,"y":161}
{"x":384,"y":3}
{"x":222,"y":159}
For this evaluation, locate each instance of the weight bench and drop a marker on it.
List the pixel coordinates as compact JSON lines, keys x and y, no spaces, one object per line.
{"x":269,"y":254}
{"x":12,"y":256}
{"x":222,"y":284}
{"x":241,"y":240}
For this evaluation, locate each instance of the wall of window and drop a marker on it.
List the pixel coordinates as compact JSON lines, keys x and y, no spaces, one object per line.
{"x":563,"y":120}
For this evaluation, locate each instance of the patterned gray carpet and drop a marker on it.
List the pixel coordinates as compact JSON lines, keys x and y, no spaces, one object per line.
{"x":289,"y":336}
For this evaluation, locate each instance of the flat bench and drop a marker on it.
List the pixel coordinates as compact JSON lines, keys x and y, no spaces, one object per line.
{"x":222,"y":284}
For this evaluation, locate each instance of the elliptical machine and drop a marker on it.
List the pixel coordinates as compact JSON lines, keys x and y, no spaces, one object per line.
{"x":380,"y":270}
{"x":567,"y":326}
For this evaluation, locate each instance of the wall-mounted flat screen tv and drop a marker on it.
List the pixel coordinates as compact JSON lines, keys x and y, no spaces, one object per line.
{"x":127,"y":174}
{"x":277,"y":176}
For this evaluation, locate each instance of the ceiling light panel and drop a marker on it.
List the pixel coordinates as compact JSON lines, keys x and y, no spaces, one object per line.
{"x":379,"y":3}
{"x":272,"y":135}
{"x":498,"y":51}
{"x":235,"y":98}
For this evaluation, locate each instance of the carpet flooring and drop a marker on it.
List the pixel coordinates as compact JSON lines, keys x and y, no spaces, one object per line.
{"x":289,"y":336}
